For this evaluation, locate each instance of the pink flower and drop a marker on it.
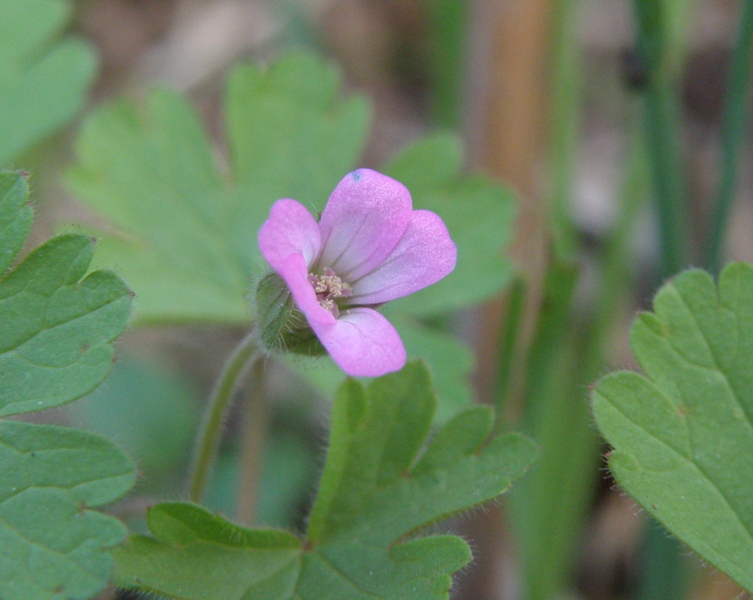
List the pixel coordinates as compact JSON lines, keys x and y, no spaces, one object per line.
{"x":369,"y":247}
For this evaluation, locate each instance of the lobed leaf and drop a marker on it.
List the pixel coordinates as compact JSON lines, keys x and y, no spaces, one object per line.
{"x":52,"y":546}
{"x":683,"y":434}
{"x":186,"y":232}
{"x":54,"y":347}
{"x":450,"y":361}
{"x":15,"y":217}
{"x":57,"y":327}
{"x":378,"y":491}
{"x":43,"y":82}
{"x":57,"y":321}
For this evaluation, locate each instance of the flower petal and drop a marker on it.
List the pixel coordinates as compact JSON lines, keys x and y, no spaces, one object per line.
{"x":424,"y":255}
{"x":289,"y":230}
{"x":363,"y":343}
{"x":363,"y":220}
{"x":294,"y":271}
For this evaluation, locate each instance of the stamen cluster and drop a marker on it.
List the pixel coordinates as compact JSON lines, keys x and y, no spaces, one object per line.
{"x":328,"y":288}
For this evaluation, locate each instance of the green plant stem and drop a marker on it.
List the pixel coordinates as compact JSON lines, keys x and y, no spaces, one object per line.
{"x":510,"y":367}
{"x":733,"y":131}
{"x":539,"y":502}
{"x":565,"y":124}
{"x":210,"y":433}
{"x":546,"y":501}
{"x":448,"y":20}
{"x":664,"y":573}
{"x":253,"y":433}
{"x":663,"y":133}
{"x":551,"y":504}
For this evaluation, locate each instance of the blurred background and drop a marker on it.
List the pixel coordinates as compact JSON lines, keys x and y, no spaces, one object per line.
{"x":548,"y":97}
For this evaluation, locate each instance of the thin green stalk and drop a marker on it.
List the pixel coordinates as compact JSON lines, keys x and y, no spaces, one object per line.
{"x":448,"y":20}
{"x":543,"y":507}
{"x":539,"y":496}
{"x":253,"y":433}
{"x":733,"y":130}
{"x":663,"y":133}
{"x":509,"y":369}
{"x":210,"y":433}
{"x":664,"y":573}
{"x":565,"y":124}
{"x":552,"y":502}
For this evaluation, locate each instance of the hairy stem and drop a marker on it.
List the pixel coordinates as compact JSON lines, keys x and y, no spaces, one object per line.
{"x":205,"y":450}
{"x":253,"y":431}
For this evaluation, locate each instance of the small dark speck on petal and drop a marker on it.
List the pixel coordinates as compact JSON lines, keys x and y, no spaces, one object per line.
{"x":356,"y":175}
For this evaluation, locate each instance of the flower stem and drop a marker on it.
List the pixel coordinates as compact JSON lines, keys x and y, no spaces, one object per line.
{"x":253,"y":431}
{"x":208,"y":440}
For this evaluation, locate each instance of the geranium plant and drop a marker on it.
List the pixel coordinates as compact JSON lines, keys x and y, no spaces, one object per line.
{"x":329,"y":295}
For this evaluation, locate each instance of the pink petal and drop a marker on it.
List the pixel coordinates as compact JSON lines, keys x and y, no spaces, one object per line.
{"x":294,"y":271}
{"x":363,"y":343}
{"x":424,"y":255}
{"x":363,"y":220}
{"x":289,"y":230}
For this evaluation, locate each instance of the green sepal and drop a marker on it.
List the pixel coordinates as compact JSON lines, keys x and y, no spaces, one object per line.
{"x":282,"y":327}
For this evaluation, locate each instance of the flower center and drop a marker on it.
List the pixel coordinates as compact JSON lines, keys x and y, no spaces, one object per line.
{"x":328,"y":288}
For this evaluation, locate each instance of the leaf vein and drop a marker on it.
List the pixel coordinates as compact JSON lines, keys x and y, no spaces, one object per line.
{"x":717,"y":366}
{"x":692,"y":463}
{"x":337,"y":570}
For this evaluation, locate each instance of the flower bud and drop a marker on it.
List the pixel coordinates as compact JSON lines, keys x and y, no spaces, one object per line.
{"x":282,"y":327}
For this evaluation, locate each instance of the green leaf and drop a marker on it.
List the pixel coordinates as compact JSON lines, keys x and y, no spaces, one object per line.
{"x":186,"y":231}
{"x":54,"y":347}
{"x":291,"y":135}
{"x":478,"y":213}
{"x":196,"y":554}
{"x":15,"y":217}
{"x":378,"y":491}
{"x":450,"y":362}
{"x":52,"y":546}
{"x":57,"y":321}
{"x":43,"y":82}
{"x":683,"y":434}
